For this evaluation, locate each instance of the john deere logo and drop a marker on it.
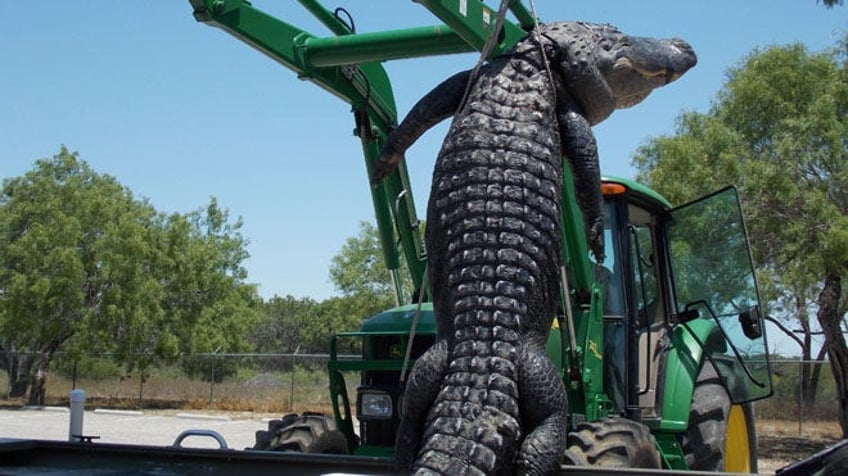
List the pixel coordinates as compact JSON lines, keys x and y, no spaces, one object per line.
{"x":394,"y":351}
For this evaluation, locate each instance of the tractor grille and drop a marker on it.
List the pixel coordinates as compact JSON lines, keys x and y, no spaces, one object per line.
{"x":383,"y":432}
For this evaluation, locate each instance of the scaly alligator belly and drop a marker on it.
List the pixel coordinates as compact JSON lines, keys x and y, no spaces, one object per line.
{"x":493,"y":248}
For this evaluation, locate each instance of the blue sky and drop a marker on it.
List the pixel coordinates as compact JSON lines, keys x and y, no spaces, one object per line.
{"x":178,"y":111}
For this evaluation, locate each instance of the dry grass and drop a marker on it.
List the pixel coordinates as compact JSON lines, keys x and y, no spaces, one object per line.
{"x":818,"y":430}
{"x":782,"y":442}
{"x":256,"y":392}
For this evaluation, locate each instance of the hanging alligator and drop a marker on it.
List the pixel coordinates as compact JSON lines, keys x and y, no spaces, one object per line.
{"x":486,"y":399}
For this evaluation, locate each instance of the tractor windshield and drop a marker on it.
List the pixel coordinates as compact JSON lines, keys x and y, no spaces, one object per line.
{"x":716,"y":294}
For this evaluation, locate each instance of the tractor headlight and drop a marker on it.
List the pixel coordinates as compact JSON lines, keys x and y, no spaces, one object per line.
{"x":376,"y":405}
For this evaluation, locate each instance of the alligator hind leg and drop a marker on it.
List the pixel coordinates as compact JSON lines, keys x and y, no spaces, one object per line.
{"x":543,"y":411}
{"x":423,"y":384}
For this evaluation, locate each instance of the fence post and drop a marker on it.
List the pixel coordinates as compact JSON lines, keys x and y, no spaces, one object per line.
{"x":141,"y":387}
{"x":291,"y":396}
{"x":212,"y":382}
{"x":800,"y":397}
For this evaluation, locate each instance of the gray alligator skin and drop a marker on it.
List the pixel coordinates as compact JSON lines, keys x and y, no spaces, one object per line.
{"x":486,"y":399}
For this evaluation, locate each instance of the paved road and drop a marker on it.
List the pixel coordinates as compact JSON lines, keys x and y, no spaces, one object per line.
{"x":148,"y":428}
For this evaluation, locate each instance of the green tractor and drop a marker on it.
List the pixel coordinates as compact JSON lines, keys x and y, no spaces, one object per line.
{"x":661,"y":348}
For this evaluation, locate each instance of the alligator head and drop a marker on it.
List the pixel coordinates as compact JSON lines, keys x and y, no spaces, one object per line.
{"x":604,"y":69}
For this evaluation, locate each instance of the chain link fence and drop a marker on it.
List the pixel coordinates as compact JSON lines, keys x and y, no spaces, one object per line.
{"x":282,"y":383}
{"x":237,"y":382}
{"x":804,"y":393}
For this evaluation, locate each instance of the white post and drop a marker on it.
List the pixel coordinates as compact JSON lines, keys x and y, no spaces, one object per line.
{"x":77,"y":411}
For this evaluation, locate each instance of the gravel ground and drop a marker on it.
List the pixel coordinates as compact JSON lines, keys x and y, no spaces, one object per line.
{"x":148,"y":428}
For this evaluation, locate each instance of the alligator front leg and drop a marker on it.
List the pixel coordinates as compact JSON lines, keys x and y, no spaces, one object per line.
{"x":439,"y":104}
{"x":424,"y":383}
{"x":581,"y":150}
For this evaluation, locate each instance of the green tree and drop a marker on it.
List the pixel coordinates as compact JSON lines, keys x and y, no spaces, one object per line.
{"x":346,"y":313}
{"x":210,"y":305}
{"x":289,"y":325}
{"x":777,"y":130}
{"x":359,"y":273}
{"x":84,"y":266}
{"x":74,"y":247}
{"x":359,"y":269}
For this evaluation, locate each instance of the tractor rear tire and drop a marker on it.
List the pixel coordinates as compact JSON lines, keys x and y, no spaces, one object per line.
{"x":721,"y":436}
{"x":307,"y":433}
{"x":613,"y":443}
{"x":264,"y":438}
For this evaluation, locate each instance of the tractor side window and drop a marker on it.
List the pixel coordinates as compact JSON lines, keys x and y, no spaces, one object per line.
{"x":645,"y":284}
{"x":647,"y":313}
{"x":609,"y":274}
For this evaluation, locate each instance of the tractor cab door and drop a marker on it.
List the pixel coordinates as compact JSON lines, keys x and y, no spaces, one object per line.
{"x":714,"y":292}
{"x":633,"y":305}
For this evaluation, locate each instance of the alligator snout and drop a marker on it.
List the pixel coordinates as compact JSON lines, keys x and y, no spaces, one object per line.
{"x":682,"y":61}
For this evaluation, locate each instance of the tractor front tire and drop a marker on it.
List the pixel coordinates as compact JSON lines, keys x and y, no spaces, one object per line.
{"x":307,"y":433}
{"x":721,"y":436}
{"x":613,"y":443}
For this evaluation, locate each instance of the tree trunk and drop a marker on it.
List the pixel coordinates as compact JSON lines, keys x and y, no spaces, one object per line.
{"x":837,"y":350}
{"x":38,"y":380}
{"x":37,"y":389}
{"x":17,"y":386}
{"x":809,"y":375}
{"x":807,"y":392}
{"x":817,"y":369}
{"x":17,"y":371}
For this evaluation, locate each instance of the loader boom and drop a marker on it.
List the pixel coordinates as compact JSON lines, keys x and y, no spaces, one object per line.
{"x":347,"y":65}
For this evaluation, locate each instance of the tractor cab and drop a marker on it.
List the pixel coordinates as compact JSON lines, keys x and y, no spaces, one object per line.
{"x":678,"y":289}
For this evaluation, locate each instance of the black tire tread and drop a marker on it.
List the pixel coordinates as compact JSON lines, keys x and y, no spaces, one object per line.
{"x":613,"y":443}
{"x":306,"y":433}
{"x":704,"y":441}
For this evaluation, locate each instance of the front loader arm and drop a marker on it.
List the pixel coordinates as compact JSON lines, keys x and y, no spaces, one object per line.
{"x":347,"y":65}
{"x":364,"y":85}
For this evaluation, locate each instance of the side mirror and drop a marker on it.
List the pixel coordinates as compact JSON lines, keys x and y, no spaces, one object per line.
{"x":689,"y":313}
{"x":750,"y":321}
{"x":686,"y":316}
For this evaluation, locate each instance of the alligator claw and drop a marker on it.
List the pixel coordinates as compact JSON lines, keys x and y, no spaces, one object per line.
{"x":596,"y":240}
{"x":384,"y":165}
